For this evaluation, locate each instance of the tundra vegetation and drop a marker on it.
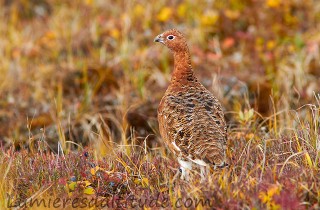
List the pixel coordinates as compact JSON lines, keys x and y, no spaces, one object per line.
{"x":81,"y":82}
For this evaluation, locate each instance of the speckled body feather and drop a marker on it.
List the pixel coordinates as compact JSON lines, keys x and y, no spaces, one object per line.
{"x":191,"y":119}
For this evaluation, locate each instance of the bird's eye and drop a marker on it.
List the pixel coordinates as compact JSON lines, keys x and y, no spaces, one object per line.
{"x":170,"y":37}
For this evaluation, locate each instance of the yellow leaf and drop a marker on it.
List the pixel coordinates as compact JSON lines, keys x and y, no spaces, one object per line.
{"x":182,"y":9}
{"x":241,"y":115}
{"x":164,"y":14}
{"x":241,"y":195}
{"x":209,"y":18}
{"x":136,"y":181}
{"x":50,"y":35}
{"x":145,"y":182}
{"x":275,"y":206}
{"x":308,"y":159}
{"x":250,"y":113}
{"x":89,"y":2}
{"x":259,"y":41}
{"x":89,"y":191}
{"x":138,"y":10}
{"x":271,"y":44}
{"x":164,"y":189}
{"x":291,"y":48}
{"x":115,"y":33}
{"x":232,"y":14}
{"x":249,"y":136}
{"x":94,"y":170}
{"x":87,"y":183}
{"x":273,"y":190}
{"x":72,"y":185}
{"x":273,"y":3}
{"x":264,"y":197}
{"x":290,"y":19}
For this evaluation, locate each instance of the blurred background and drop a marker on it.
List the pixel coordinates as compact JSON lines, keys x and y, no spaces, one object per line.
{"x":86,"y":70}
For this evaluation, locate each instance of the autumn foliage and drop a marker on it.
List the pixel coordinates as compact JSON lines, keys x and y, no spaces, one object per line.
{"x":80,"y":83}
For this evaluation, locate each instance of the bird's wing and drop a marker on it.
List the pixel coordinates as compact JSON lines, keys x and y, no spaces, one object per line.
{"x":192,"y":123}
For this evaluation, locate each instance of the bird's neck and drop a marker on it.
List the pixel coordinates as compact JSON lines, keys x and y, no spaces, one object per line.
{"x":182,"y":72}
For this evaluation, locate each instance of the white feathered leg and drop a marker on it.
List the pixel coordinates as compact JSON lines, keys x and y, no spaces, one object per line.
{"x":202,"y":172}
{"x":185,"y":167}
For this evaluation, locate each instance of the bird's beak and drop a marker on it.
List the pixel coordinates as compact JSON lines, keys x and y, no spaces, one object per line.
{"x":159,"y":38}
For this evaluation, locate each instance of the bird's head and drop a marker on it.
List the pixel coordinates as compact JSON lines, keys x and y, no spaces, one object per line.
{"x":173,"y":39}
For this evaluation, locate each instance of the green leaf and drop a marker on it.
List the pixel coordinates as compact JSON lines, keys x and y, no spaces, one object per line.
{"x":241,"y":115}
{"x":72,"y":185}
{"x":89,"y":191}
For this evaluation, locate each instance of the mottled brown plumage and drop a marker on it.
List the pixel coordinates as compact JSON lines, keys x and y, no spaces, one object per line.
{"x":191,"y":119}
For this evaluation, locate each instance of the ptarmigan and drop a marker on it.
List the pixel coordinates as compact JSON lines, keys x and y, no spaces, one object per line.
{"x":191,"y":119}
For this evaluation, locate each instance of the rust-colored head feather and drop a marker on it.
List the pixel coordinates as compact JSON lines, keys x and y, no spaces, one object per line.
{"x":177,"y":43}
{"x":173,"y":39}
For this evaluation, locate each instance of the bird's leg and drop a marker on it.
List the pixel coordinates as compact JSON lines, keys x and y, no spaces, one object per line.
{"x":176,"y":175}
{"x":202,"y":173}
{"x":185,"y":166}
{"x":183,"y":172}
